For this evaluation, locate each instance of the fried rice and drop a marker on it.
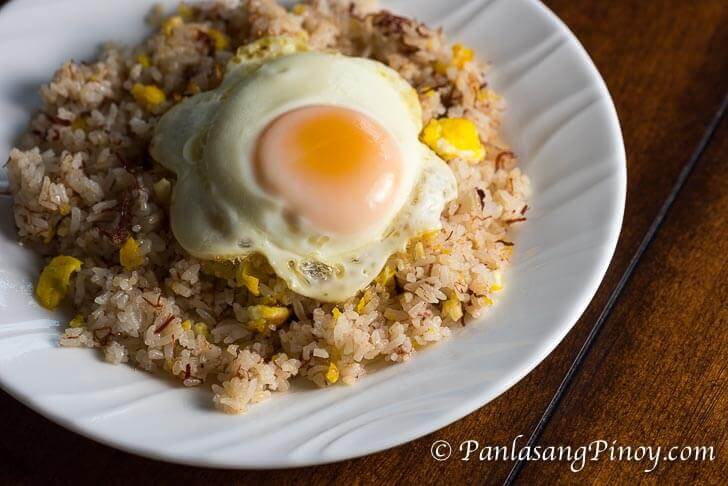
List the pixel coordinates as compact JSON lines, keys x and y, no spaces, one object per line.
{"x":85,"y":186}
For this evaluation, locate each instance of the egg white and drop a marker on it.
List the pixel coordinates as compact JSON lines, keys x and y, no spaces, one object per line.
{"x":218,"y":210}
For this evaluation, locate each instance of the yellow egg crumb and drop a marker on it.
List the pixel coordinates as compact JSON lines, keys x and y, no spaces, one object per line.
{"x":452,"y":308}
{"x":487,"y":95}
{"x":386,"y":276}
{"x":143,"y":59}
{"x":243,"y":273}
{"x":273,"y":315}
{"x":219,"y":39}
{"x":336,"y":313}
{"x":170,"y":24}
{"x":258,"y":325}
{"x":442,"y":249}
{"x":419,"y":251}
{"x":64,"y":209}
{"x":461,"y":55}
{"x":77,"y":321}
{"x":79,"y":123}
{"x":269,"y":299}
{"x":130,"y":255}
{"x":221,"y":269}
{"x":365,"y":299}
{"x":483,"y":301}
{"x":453,"y":137}
{"x":497,"y":282}
{"x":430,"y":236}
{"x":187,"y":325}
{"x":252,"y":284}
{"x":272,"y":47}
{"x":427,"y":92}
{"x":185,"y":11}
{"x":148,"y":95}
{"x":440,"y":67}
{"x":332,"y":374}
{"x":243,"y":277}
{"x":507,"y":252}
{"x":299,"y":8}
{"x":201,"y":329}
{"x":55,"y":279}
{"x":48,"y":234}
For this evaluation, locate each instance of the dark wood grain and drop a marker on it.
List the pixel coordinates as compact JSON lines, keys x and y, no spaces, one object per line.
{"x":665,"y":66}
{"x":659,"y":372}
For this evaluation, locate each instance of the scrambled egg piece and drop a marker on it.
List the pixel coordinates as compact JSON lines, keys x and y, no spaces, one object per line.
{"x":430,"y":236}
{"x":461,"y":55}
{"x":243,"y":277}
{"x":452,"y":308}
{"x":497,"y":282}
{"x":79,"y":123}
{"x":440,"y":67}
{"x":48,"y":235}
{"x":222,"y":269}
{"x":77,"y":321}
{"x":386,"y":275}
{"x":487,"y":95}
{"x":130,"y":255}
{"x":241,"y":273}
{"x":148,"y":95}
{"x":482,"y":301}
{"x":365,"y":299}
{"x":336,"y":313}
{"x":170,"y":24}
{"x":143,"y":59}
{"x":428,"y":93}
{"x":274,"y":315}
{"x":185,"y":11}
{"x":419,"y":250}
{"x":257,"y":325}
{"x":453,"y":137}
{"x":507,"y":252}
{"x":220,"y":40}
{"x":55,"y":279}
{"x":270,"y":47}
{"x":263,"y":316}
{"x":332,"y":374}
{"x":201,"y":329}
{"x":187,"y":325}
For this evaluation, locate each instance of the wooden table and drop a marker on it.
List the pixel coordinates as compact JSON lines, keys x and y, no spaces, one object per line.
{"x":647,"y":364}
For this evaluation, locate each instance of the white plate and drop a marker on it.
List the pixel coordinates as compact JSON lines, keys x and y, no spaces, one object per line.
{"x":562,"y":123}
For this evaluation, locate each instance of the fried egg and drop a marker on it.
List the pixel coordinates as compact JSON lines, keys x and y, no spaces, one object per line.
{"x":311,"y":159}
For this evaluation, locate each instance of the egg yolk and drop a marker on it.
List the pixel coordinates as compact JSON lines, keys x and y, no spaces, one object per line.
{"x":333,"y":166}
